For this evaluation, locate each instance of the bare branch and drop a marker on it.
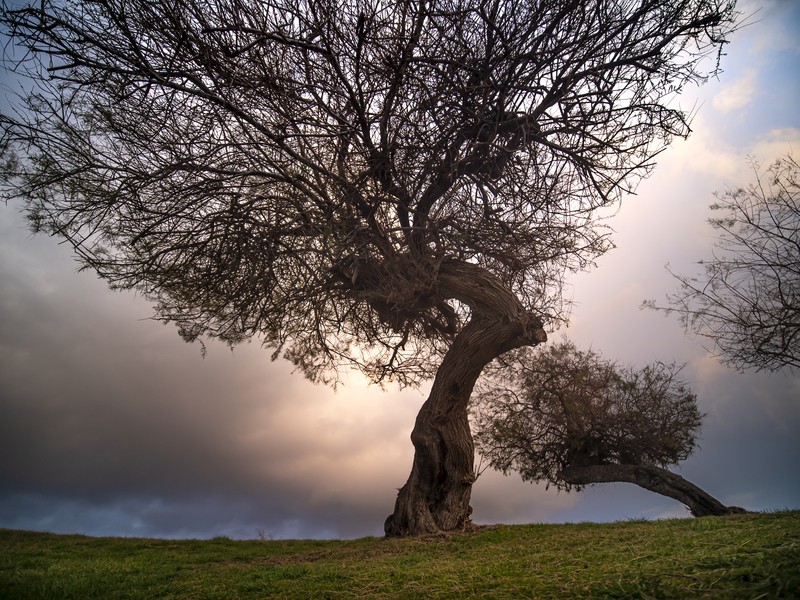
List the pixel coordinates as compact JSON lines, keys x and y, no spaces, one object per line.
{"x":747,"y":302}
{"x":299,"y":170}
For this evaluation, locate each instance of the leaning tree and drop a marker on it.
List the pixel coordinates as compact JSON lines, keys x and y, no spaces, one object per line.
{"x":398,"y":186}
{"x":571,"y":418}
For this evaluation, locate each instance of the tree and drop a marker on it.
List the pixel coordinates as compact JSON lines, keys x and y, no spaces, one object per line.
{"x":571,"y":418}
{"x":396,"y":186}
{"x":748,"y":300}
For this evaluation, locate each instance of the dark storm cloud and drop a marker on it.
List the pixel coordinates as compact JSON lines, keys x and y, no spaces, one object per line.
{"x":109,"y":424}
{"x":106,"y":413}
{"x":749,"y":448}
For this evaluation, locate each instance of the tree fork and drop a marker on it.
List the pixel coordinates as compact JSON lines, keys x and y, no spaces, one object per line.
{"x":437,"y":494}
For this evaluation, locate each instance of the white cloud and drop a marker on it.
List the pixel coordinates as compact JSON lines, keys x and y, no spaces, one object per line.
{"x":704,"y":152}
{"x":776,"y":143}
{"x":707,"y":153}
{"x":738,"y":93}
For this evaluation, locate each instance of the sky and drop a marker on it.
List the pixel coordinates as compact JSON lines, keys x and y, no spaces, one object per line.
{"x":111,"y":425}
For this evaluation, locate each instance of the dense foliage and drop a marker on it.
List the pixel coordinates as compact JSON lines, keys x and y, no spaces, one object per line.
{"x":540,"y":412}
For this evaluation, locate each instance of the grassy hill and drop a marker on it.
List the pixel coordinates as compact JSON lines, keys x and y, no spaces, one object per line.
{"x":742,"y":556}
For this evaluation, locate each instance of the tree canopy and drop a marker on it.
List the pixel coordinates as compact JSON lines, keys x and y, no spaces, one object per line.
{"x":304,"y":170}
{"x":747,"y":301}
{"x":542,"y":412}
{"x":571,"y":418}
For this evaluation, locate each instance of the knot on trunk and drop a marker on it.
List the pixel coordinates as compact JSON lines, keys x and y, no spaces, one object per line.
{"x":533,"y":329}
{"x":402,"y":290}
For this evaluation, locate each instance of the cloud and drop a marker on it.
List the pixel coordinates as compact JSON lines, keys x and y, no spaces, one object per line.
{"x":781,"y":36}
{"x":108,"y":418}
{"x":776,"y":143}
{"x":707,"y":153}
{"x":498,"y":498}
{"x":737,"y":94}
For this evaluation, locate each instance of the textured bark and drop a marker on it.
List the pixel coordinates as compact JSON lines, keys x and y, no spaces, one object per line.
{"x":436,"y":496}
{"x":655,"y":479}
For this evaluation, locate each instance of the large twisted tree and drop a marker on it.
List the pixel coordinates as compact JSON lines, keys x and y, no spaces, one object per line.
{"x":394,"y":185}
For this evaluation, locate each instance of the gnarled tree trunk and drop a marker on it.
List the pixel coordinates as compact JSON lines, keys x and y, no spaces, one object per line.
{"x":436,"y":496}
{"x":655,"y":479}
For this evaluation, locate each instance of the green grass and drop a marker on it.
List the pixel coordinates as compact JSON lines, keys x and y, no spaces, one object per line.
{"x":742,"y":556}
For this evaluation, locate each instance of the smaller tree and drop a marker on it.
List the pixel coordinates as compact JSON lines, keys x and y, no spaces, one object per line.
{"x":747,"y":302}
{"x":571,"y":418}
